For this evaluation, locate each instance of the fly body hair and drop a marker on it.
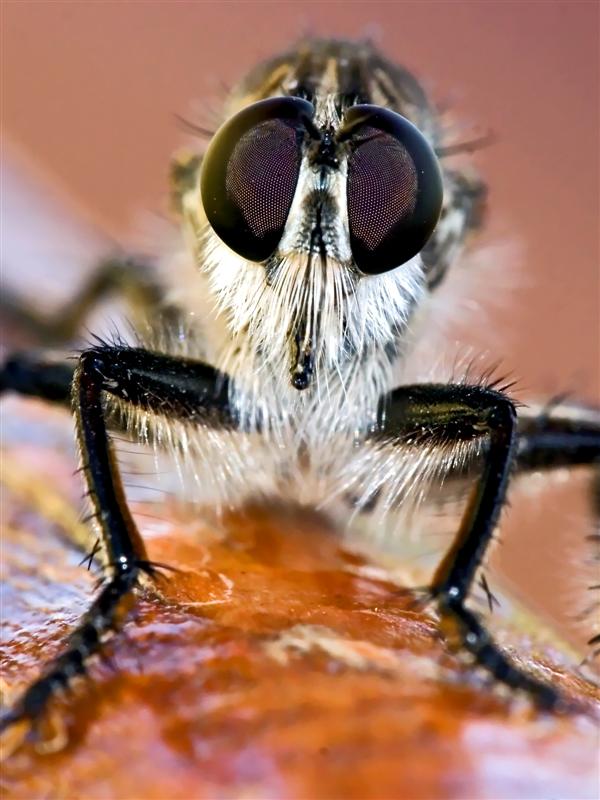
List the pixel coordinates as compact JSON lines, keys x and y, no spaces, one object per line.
{"x":353,"y":328}
{"x":394,"y":491}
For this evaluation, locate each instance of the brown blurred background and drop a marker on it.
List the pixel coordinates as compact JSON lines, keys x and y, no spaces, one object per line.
{"x":89,"y":93}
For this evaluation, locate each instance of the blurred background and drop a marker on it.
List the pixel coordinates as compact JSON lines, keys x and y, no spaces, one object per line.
{"x":89,"y":97}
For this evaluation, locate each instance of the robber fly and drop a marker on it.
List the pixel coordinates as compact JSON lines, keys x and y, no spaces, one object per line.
{"x":317,"y":226}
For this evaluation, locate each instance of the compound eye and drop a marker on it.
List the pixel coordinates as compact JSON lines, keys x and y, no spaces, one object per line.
{"x":394,"y":188}
{"x":250,"y":172}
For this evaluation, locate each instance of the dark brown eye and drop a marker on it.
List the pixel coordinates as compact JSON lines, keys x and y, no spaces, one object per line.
{"x":250,"y":173}
{"x":394,"y":188}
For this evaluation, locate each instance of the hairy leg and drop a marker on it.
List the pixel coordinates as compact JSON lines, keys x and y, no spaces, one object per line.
{"x":444,"y":414}
{"x":159,"y":384}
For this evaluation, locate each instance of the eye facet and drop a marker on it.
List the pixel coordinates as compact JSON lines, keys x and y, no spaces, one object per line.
{"x":394,"y":188}
{"x":250,"y":172}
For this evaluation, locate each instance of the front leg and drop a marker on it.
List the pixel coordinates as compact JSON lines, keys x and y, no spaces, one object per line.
{"x":183,"y":389}
{"x":446,"y":414}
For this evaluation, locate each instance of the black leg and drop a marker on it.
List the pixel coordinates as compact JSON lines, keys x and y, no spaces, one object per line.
{"x":558,"y":436}
{"x":34,"y":375}
{"x":160,"y":384}
{"x":562,"y":436}
{"x":450,"y":413}
{"x":127,"y":277}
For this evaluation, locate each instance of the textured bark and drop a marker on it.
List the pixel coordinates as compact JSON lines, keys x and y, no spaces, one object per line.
{"x":276,"y":664}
